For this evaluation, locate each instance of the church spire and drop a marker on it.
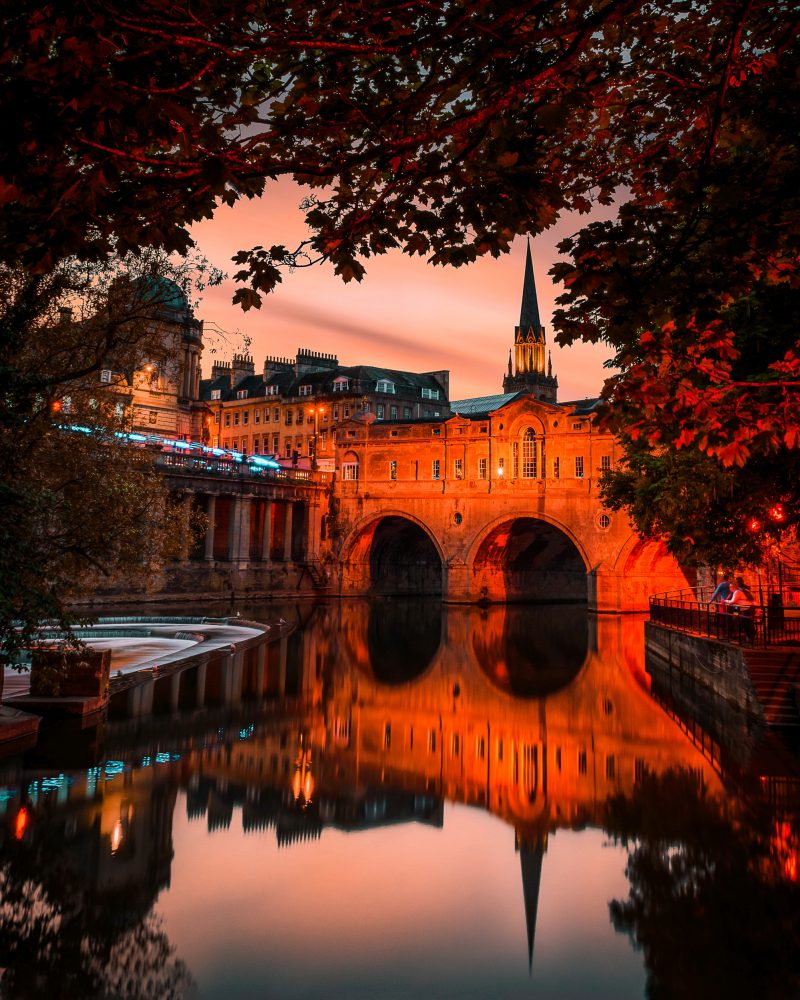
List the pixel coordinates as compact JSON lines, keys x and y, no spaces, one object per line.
{"x":529,"y":312}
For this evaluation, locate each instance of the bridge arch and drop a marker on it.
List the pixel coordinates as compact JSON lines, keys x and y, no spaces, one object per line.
{"x":392,"y":554}
{"x":526,"y":556}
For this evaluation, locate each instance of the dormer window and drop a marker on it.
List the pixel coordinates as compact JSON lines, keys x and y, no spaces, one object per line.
{"x":430,"y":393}
{"x":341,"y":384}
{"x":384,"y":385}
{"x":272,"y":390}
{"x":216,"y":393}
{"x":105,"y":376}
{"x":305,"y":390}
{"x":241,"y":393}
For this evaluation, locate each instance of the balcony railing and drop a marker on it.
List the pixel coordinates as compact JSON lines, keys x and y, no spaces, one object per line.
{"x":761,"y":625}
{"x":209,"y":465}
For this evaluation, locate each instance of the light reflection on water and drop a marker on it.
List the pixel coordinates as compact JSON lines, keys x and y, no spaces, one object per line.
{"x":396,"y":800}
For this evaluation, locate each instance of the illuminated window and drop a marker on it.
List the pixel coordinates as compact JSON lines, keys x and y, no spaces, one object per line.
{"x":393,"y":470}
{"x":379,"y":411}
{"x":216,"y":393}
{"x":529,"y":455}
{"x":458,"y":468}
{"x":481,"y":468}
{"x":105,"y":376}
{"x":341,"y":384}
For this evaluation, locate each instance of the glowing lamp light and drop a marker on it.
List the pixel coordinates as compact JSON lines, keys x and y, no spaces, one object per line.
{"x":22,"y":823}
{"x":116,"y":836}
{"x":500,"y":472}
{"x":56,"y":406}
{"x":777,"y":513}
{"x":753,"y":525}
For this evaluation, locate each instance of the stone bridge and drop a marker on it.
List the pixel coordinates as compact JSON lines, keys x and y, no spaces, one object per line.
{"x":499,"y":504}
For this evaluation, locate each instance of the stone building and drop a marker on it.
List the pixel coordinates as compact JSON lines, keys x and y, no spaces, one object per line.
{"x":497,"y":500}
{"x":292,"y":409}
{"x":162,"y":394}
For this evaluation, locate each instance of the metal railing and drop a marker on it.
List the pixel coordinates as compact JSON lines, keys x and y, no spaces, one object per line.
{"x":761,"y":625}
{"x":214,"y":466}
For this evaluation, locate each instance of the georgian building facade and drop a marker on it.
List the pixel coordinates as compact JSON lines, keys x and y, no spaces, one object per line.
{"x":292,"y":410}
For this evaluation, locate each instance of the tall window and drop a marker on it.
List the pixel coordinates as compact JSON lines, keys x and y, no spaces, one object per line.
{"x":393,"y":413}
{"x":350,"y":466}
{"x":436,"y":469}
{"x":529,"y":455}
{"x":579,"y":466}
{"x":458,"y":468}
{"x":556,"y":468}
{"x":605,"y":463}
{"x":393,"y":470}
{"x":379,"y":411}
{"x":481,"y":468}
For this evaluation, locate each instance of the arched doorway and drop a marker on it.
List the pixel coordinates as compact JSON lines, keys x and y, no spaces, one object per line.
{"x":525,"y":559}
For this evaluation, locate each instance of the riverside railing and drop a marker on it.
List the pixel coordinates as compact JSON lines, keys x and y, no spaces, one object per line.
{"x":692,"y":611}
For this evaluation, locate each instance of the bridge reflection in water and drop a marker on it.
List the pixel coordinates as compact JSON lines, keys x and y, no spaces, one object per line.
{"x":367,"y":714}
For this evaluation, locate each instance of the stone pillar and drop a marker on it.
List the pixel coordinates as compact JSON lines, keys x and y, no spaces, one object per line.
{"x":243,"y":540}
{"x":211,"y":512}
{"x":287,"y":536}
{"x":312,"y":531}
{"x":186,"y":513}
{"x":174,"y":692}
{"x":140,"y":700}
{"x":202,"y":673}
{"x":266,"y":537}
{"x":233,"y":528}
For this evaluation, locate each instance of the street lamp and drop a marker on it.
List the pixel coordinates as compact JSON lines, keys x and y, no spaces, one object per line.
{"x":316,"y":410}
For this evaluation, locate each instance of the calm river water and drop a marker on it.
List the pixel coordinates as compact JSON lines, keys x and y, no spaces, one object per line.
{"x":402,"y":800}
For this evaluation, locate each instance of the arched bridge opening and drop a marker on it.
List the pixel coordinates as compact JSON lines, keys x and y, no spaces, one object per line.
{"x":392,"y":557}
{"x":526,"y":559}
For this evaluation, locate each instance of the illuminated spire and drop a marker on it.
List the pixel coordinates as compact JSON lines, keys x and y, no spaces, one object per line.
{"x":529,"y":313}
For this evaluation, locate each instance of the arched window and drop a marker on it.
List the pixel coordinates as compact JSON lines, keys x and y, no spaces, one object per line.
{"x":350,"y":466}
{"x":529,"y":454}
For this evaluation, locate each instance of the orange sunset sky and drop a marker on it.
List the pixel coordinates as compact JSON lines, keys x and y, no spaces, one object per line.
{"x":405,"y":314}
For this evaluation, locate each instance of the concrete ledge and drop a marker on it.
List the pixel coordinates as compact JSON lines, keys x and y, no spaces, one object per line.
{"x":18,"y":730}
{"x":719,"y":667}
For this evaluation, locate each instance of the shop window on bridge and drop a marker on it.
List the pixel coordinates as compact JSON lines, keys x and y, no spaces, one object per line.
{"x":393,"y":470}
{"x":579,"y":466}
{"x":350,"y":467}
{"x":436,"y":469}
{"x":481,"y":468}
{"x":529,"y":454}
{"x":556,"y":468}
{"x":605,"y":463}
{"x":458,"y":468}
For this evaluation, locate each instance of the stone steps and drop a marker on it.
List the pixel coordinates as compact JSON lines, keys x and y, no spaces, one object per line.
{"x":775,"y":674}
